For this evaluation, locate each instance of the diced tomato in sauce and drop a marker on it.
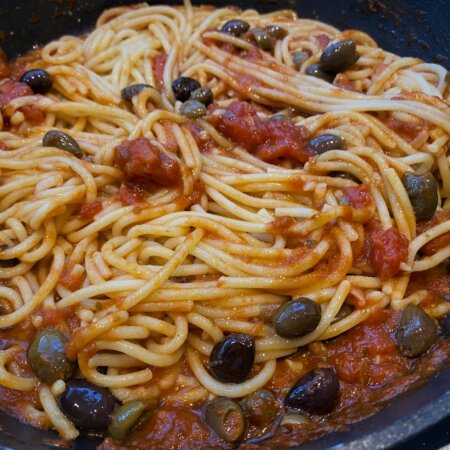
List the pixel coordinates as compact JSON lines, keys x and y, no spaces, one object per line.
{"x":201,"y":137}
{"x":89,"y":210}
{"x":10,"y":90}
{"x":70,"y":280}
{"x":358,"y":196}
{"x":270,"y":140}
{"x":145,"y":165}
{"x":159,"y":64}
{"x":407,"y":130}
{"x":130,"y":194}
{"x":430,"y":248}
{"x":388,"y":248}
{"x":33,"y":115}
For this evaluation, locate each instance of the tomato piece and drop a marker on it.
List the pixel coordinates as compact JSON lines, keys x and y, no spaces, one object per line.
{"x":358,"y":196}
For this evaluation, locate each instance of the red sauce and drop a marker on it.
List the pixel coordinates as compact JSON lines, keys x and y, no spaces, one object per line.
{"x":271,"y":140}
{"x":70,"y":280}
{"x":430,"y":248}
{"x":408,"y":131}
{"x":145,"y":165}
{"x":358,"y":196}
{"x":89,"y":210}
{"x":388,"y":248}
{"x":33,"y":115}
{"x":171,"y":143}
{"x":159,"y":63}
{"x":10,"y":90}
{"x":130,"y":194}
{"x":201,"y":137}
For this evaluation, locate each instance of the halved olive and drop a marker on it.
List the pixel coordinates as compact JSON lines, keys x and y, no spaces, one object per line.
{"x":325,"y":143}
{"x":183,"y":87}
{"x":203,"y":95}
{"x":260,"y":407}
{"x":129,"y":92}
{"x":298,"y":58}
{"x":47,"y":356}
{"x":263,"y":40}
{"x":316,"y":70}
{"x":344,"y":312}
{"x":193,"y":109}
{"x":422,"y":191}
{"x":416,"y":332}
{"x":87,"y":405}
{"x":38,"y":80}
{"x":61,"y":140}
{"x":232,"y":358}
{"x":339,"y":56}
{"x":226,"y":418}
{"x":445,"y":326}
{"x":124,"y":417}
{"x":317,"y":392}
{"x":235,"y":27}
{"x":276,"y":31}
{"x":297,"y":317}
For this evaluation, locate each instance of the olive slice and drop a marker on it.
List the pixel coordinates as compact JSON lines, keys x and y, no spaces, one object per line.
{"x":124,"y":417}
{"x":325,"y":143}
{"x":193,"y":109}
{"x":261,"y":407}
{"x":226,"y":418}
{"x":61,"y":140}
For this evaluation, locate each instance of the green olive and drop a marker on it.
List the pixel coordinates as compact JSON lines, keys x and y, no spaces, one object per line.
{"x":58,"y":139}
{"x":276,"y":31}
{"x":263,"y":40}
{"x":193,"y":109}
{"x":261,"y":407}
{"x":203,"y":95}
{"x":124,"y":417}
{"x":422,"y":191}
{"x":416,"y":332}
{"x":297,"y":318}
{"x":316,"y":70}
{"x":47,"y":356}
{"x":344,"y":312}
{"x":226,"y":418}
{"x":339,"y":56}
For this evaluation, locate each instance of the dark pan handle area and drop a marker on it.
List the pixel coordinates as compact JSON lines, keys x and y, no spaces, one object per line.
{"x":406,"y":27}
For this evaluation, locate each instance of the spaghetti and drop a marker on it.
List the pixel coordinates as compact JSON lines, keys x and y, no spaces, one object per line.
{"x":176,"y":228}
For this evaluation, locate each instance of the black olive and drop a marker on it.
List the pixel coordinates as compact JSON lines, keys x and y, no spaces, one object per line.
{"x":87,"y":405}
{"x":203,"y":95}
{"x":226,"y":418}
{"x":316,"y":70}
{"x":261,"y":407}
{"x":298,"y":58}
{"x":183,"y":87}
{"x":344,"y":312}
{"x":232,"y":358}
{"x":193,"y":109}
{"x":422,"y":191}
{"x":416,"y":332}
{"x":445,"y":326}
{"x":297,"y":318}
{"x":4,"y":263}
{"x":129,"y":92}
{"x":276,"y":31}
{"x":263,"y":40}
{"x":317,"y":392}
{"x":124,"y":417}
{"x":339,"y":57}
{"x":38,"y":80}
{"x":61,"y":140}
{"x":325,"y":143}
{"x":47,"y":356}
{"x":235,"y":27}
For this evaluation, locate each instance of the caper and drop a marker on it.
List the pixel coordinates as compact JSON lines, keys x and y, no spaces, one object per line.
{"x":276,"y":31}
{"x":317,"y":392}
{"x":124,"y":417}
{"x":129,"y":92}
{"x":316,"y":70}
{"x":297,"y":317}
{"x":235,"y":27}
{"x":47,"y":356}
{"x":193,"y":109}
{"x":58,"y":139}
{"x":422,"y":191}
{"x":298,"y":58}
{"x":261,"y":407}
{"x":232,"y":358}
{"x":416,"y":332}
{"x":203,"y":95}
{"x":263,"y":40}
{"x":325,"y":143}
{"x":339,"y":56}
{"x":344,"y":312}
{"x":226,"y":418}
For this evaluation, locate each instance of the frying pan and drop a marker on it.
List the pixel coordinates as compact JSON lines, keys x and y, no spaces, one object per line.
{"x":407,"y":27}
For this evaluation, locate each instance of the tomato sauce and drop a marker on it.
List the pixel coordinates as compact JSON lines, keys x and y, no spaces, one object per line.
{"x":159,"y":64}
{"x":430,"y":248}
{"x":358,"y":196}
{"x":9,"y":90}
{"x":89,"y":210}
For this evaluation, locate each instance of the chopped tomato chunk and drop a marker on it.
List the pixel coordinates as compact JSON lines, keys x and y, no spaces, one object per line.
{"x":358,"y":196}
{"x":10,"y":90}
{"x":89,"y":210}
